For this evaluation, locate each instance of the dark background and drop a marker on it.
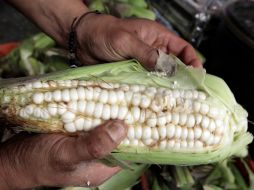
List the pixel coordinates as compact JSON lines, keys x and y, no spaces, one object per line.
{"x":13,"y":25}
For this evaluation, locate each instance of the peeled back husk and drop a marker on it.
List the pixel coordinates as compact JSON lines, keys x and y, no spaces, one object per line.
{"x":197,"y":119}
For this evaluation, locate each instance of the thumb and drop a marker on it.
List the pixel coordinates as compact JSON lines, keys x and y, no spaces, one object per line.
{"x":100,"y":141}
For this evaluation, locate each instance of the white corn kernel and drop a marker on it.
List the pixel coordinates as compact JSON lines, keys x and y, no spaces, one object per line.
{"x":131,"y":133}
{"x":138,"y":132}
{"x":38,"y":98}
{"x":98,"y":110}
{"x":96,"y":93}
{"x":190,"y":121}
{"x":178,"y":132}
{"x":70,"y":127}
{"x":37,"y":112}
{"x":198,"y":144}
{"x":182,"y":119}
{"x":37,"y":84}
{"x":162,"y":120}
{"x":122,"y":112}
{"x":145,"y":101}
{"x":196,"y":106}
{"x":142,"y":117}
{"x":148,"y":142}
{"x":74,"y":94}
{"x":175,"y":118}
{"x":125,"y":142}
{"x":68,"y":117}
{"x":112,"y":98}
{"x":197,"y":132}
{"x":106,"y":112}
{"x":120,"y":96}
{"x":177,"y":145}
{"x":66,"y":95}
{"x":113,"y":111}
{"x":155,"y":134}
{"x":81,"y":93}
{"x":135,"y":111}
{"x":183,"y":144}
{"x":48,"y":96}
{"x":61,"y":108}
{"x":152,"y":121}
{"x":45,"y":85}
{"x":204,"y":109}
{"x":128,"y":96}
{"x":205,"y":135}
{"x":176,"y":93}
{"x":170,"y":144}
{"x":52,"y":109}
{"x":162,"y":132}
{"x":134,"y":142}
{"x":23,"y":114}
{"x":72,"y":106}
{"x":129,"y":118}
{"x":57,"y":95}
{"x":163,"y":145}
{"x":134,"y":88}
{"x":81,"y":106}
{"x":89,"y":94}
{"x":96,"y":122}
{"x":136,"y":99}
{"x":201,"y":95}
{"x":190,"y":144}
{"x":217,"y":139}
{"x":190,"y":134}
{"x":213,"y":112}
{"x":90,"y":109}
{"x":195,"y":94}
{"x":146,"y":133}
{"x":198,"y":118}
{"x":104,"y":96}
{"x":184,"y":134}
{"x":79,"y":124}
{"x":205,"y":122}
{"x":168,"y":117}
{"x":211,"y":126}
{"x":29,"y":109}
{"x":87,"y":124}
{"x":44,"y":114}
{"x":210,"y":140}
{"x":188,"y":94}
{"x":170,"y":130}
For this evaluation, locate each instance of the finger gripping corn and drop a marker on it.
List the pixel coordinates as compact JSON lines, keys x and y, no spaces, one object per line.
{"x":191,"y":118}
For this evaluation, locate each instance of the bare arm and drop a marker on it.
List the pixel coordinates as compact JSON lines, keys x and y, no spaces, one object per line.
{"x":104,"y":38}
{"x":53,"y":17}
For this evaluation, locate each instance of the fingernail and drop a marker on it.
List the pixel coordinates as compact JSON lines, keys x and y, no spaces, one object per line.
{"x":117,"y":130}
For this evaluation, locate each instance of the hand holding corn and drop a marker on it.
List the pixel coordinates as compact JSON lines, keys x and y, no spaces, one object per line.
{"x":104,"y":38}
{"x":29,"y":161}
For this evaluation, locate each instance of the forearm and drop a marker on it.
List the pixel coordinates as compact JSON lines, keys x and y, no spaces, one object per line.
{"x":53,"y":17}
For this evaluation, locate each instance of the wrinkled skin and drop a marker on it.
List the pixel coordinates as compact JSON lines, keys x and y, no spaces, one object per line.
{"x":63,"y":160}
{"x":119,"y":39}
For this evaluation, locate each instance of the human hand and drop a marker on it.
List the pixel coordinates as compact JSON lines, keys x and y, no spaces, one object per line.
{"x":106,"y":38}
{"x":28,"y":161}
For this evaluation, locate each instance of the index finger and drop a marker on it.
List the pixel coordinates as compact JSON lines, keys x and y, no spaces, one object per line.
{"x":183,"y":50}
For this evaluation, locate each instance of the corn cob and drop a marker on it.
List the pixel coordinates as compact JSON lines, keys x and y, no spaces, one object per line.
{"x":191,"y":118}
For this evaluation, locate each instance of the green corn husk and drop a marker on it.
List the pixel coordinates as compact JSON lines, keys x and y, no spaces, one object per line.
{"x":121,"y":181}
{"x":132,"y":72}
